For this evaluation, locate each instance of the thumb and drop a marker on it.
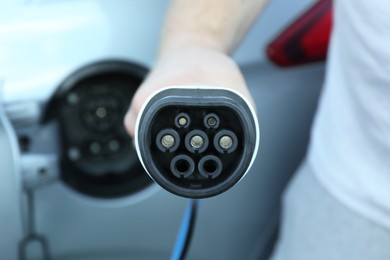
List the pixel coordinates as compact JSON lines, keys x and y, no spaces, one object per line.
{"x":129,"y":122}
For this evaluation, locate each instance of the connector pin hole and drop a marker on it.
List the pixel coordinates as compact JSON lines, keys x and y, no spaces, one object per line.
{"x":225,"y":141}
{"x":101,"y":112}
{"x":210,"y":166}
{"x":182,"y":166}
{"x":196,"y":141}
{"x":114,"y":145}
{"x":182,"y":120}
{"x":167,"y":140}
{"x":74,"y":154}
{"x":73,"y":99}
{"x":211,"y":121}
{"x":95,"y":148}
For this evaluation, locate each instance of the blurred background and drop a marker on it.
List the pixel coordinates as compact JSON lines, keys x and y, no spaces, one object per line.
{"x":44,"y":44}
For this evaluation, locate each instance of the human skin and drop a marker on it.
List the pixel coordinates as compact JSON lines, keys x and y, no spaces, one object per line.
{"x":195,"y":45}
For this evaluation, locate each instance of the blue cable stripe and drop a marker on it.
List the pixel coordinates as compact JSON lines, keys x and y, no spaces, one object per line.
{"x":183,"y":232}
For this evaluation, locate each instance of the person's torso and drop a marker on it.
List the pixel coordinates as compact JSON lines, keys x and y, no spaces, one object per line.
{"x":350,"y":146}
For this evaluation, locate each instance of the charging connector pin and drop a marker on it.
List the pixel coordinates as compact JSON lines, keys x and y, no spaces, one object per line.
{"x":168,"y":141}
{"x":196,"y":141}
{"x":182,"y":121}
{"x":226,"y":142}
{"x":211,"y":121}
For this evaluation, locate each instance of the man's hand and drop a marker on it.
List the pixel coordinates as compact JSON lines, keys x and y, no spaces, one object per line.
{"x":193,"y":67}
{"x":196,"y":40}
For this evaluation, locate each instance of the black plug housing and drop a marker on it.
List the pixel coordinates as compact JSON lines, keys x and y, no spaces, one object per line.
{"x":197,"y":142}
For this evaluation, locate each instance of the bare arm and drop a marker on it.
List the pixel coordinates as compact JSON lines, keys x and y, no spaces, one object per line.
{"x":216,"y":24}
{"x":197,"y":37}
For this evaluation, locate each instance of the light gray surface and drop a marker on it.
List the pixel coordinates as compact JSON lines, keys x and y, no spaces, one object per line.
{"x":10,"y":190}
{"x":76,"y":228}
{"x":316,"y":225}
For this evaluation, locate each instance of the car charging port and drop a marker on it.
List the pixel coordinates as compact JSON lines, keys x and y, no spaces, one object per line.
{"x":97,"y":157}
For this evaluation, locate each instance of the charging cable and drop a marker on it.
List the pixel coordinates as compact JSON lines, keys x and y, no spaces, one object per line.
{"x":186,"y":231}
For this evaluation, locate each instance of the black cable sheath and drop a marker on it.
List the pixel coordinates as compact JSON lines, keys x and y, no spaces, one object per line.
{"x":186,"y":232}
{"x":191,"y":228}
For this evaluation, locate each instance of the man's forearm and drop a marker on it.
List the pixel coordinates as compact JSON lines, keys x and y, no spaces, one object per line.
{"x":217,"y":24}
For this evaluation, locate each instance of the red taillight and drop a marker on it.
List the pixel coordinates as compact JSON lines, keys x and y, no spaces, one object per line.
{"x":306,"y":39}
